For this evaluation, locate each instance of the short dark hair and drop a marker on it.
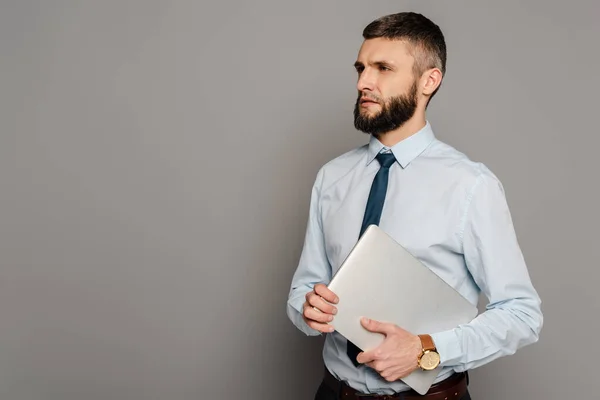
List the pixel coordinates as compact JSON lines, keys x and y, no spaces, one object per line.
{"x":425,"y":39}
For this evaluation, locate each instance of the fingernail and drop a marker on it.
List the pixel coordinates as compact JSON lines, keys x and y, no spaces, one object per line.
{"x":330,"y":318}
{"x":335,"y":310}
{"x":366,"y":320}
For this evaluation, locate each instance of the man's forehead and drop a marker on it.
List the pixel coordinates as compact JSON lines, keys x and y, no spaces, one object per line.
{"x":382,"y":49}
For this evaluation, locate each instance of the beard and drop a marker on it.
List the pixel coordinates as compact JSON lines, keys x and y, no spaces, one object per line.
{"x":394,"y":113}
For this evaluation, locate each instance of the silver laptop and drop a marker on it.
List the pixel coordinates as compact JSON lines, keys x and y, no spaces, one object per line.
{"x":381,"y":280}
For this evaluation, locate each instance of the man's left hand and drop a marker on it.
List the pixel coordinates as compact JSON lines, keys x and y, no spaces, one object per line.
{"x":397,"y":356}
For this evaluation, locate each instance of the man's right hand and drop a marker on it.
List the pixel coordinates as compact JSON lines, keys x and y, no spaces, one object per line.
{"x":317,"y":310}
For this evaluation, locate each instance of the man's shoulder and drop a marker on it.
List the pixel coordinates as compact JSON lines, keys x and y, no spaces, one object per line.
{"x":337,"y":167}
{"x":349,"y":158}
{"x":457,"y":165}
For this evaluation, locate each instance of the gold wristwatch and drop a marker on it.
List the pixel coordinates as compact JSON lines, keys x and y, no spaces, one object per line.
{"x":429,"y":359}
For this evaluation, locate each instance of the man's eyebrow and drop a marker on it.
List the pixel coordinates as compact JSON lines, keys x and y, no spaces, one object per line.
{"x":381,"y":63}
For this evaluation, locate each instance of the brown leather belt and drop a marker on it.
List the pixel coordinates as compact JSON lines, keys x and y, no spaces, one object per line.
{"x":452,"y":388}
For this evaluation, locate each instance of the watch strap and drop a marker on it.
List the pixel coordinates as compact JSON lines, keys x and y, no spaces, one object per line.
{"x":427,"y":343}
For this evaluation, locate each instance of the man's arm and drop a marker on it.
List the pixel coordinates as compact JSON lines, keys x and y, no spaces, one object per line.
{"x":313,"y":266}
{"x":513,"y":317}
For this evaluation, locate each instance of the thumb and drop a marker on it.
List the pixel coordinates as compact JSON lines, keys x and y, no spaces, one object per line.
{"x":376,"y":326}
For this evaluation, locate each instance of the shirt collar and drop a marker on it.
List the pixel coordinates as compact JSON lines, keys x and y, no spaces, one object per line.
{"x":407,"y":149}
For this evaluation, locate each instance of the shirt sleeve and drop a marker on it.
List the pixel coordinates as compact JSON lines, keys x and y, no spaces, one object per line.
{"x":513,"y":316}
{"x":313,"y":266}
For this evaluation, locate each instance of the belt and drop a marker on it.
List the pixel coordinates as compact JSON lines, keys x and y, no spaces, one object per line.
{"x":452,"y":388}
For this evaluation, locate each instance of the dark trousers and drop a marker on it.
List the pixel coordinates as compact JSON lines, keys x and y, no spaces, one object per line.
{"x":326,"y":393}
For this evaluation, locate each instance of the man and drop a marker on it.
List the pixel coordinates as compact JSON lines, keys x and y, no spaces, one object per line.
{"x":447,"y":210}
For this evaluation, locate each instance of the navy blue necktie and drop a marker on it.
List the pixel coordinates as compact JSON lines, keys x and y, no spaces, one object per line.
{"x":373,"y":215}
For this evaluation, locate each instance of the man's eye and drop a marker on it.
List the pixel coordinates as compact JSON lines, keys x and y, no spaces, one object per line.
{"x":384,"y":68}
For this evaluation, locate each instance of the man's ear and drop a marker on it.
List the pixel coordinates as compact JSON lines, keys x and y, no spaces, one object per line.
{"x":430,"y":81}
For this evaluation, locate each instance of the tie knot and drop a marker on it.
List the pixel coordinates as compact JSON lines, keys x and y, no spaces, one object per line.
{"x":386,"y":159}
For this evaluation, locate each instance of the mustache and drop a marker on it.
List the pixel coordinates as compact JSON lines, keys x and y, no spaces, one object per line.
{"x":369,"y":96}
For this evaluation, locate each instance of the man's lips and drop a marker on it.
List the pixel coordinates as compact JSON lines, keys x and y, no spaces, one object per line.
{"x":367,"y":102}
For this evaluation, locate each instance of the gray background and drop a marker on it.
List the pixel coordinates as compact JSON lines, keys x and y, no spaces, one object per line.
{"x":156,"y":160}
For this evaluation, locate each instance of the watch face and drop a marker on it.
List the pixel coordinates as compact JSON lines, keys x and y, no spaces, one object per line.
{"x":430,"y":360}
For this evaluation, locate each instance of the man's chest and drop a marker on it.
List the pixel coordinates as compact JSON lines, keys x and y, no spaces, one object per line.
{"x":421,"y":213}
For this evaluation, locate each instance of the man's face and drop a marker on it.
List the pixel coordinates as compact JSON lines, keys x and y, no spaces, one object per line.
{"x":387,"y":87}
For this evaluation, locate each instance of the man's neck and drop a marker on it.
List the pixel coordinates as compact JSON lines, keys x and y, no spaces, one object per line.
{"x":409,"y":128}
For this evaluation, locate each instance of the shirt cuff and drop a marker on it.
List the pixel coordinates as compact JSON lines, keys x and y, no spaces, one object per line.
{"x":448,"y":347}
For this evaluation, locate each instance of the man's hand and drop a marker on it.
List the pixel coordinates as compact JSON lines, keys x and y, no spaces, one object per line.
{"x":397,"y":356}
{"x":317,"y":310}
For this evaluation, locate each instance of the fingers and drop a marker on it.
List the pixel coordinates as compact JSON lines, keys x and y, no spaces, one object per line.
{"x":390,"y":369}
{"x":317,"y":320}
{"x":370,"y":356}
{"x":317,"y":301}
{"x":318,"y":310}
{"x":380,"y":327}
{"x":387,"y":370}
{"x":325,"y":293}
{"x":378,"y":366}
{"x":364,"y":358}
{"x":393,"y":374}
{"x":316,"y":315}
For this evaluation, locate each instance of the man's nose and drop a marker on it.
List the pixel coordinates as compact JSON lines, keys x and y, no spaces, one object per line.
{"x":366,"y":80}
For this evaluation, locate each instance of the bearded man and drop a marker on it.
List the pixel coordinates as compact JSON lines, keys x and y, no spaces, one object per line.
{"x":448,"y":211}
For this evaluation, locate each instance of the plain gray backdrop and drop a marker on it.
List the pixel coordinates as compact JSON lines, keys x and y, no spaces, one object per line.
{"x":156,"y":161}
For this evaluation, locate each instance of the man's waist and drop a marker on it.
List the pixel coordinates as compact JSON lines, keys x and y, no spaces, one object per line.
{"x":452,"y":388}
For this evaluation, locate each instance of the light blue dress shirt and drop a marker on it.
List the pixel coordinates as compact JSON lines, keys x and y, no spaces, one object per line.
{"x":449,"y":212}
